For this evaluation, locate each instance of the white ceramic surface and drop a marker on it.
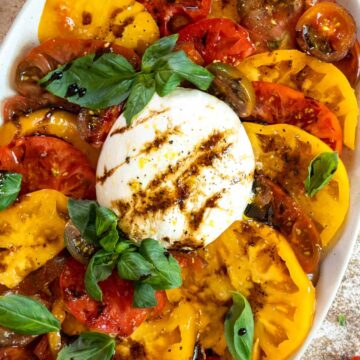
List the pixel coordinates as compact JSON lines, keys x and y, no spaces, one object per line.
{"x":23,"y":36}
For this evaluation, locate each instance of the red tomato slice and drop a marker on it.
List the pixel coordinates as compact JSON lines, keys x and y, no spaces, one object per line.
{"x":216,"y":39}
{"x":115,"y":315}
{"x":276,"y":104}
{"x":49,"y":163}
{"x":172,"y":16}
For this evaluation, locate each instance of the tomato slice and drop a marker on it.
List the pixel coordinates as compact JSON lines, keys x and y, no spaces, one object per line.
{"x":271,"y":23}
{"x":216,"y":39}
{"x":275,"y":207}
{"x":115,"y":315}
{"x":277,"y":104}
{"x":94,"y":126}
{"x":49,"y":163}
{"x":172,"y":16}
{"x":326,"y":31}
{"x":47,"y":56}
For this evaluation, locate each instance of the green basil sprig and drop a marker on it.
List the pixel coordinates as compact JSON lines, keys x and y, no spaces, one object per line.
{"x":320,"y":172}
{"x":149,"y":265}
{"x":99,"y":82}
{"x":89,"y":346}
{"x":239,"y":328}
{"x":26,"y":316}
{"x":10,"y":185}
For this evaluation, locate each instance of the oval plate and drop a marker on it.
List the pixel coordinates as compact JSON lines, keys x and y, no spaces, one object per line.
{"x":23,"y":36}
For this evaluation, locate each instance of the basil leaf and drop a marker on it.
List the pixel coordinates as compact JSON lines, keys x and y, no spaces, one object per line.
{"x":160,"y":48}
{"x":92,"y":82}
{"x":105,"y":219}
{"x":26,"y":316}
{"x":109,"y":241}
{"x":125,"y":245}
{"x":141,"y":93}
{"x":10,"y":185}
{"x":320,"y":172}
{"x":100,"y":268}
{"x":89,"y":346}
{"x":167,"y":274}
{"x":178,"y":63}
{"x":83,"y":215}
{"x":144,"y":296}
{"x":239,"y":328}
{"x":132,"y":266}
{"x":166,"y":82}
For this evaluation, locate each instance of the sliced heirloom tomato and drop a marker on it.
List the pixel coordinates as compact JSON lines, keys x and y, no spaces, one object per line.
{"x":316,"y":79}
{"x":172,"y":16}
{"x":52,"y":53}
{"x":283,"y":154}
{"x":49,"y":163}
{"x":115,"y":314}
{"x":326,"y":31}
{"x":271,"y":23}
{"x":275,"y":207}
{"x":216,"y":40}
{"x":55,"y":123}
{"x":257,"y":261}
{"x":122,"y":22}
{"x":277,"y":104}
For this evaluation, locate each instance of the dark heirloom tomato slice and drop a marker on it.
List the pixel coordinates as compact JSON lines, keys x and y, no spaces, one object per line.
{"x":216,"y":39}
{"x":49,"y":163}
{"x":47,"y":56}
{"x":94,"y":126}
{"x":172,"y":16}
{"x":276,"y":208}
{"x":271,"y":23}
{"x":115,"y":315}
{"x":326,"y":31}
{"x":279,"y":104}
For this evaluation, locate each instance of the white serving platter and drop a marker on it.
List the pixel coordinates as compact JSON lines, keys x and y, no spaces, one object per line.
{"x":23,"y":36}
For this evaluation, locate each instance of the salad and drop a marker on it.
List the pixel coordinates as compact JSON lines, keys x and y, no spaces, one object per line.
{"x":171,"y":177}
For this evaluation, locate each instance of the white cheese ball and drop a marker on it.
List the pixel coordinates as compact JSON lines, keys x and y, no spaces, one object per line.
{"x":182,"y":173}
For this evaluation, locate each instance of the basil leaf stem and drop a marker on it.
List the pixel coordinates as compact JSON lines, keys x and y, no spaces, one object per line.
{"x":239,"y":328}
{"x":100,"y":82}
{"x":26,"y":316}
{"x":320,"y":172}
{"x":89,"y":346}
{"x":10,"y":185}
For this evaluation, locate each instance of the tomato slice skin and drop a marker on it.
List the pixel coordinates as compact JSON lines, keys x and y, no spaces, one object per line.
{"x":171,"y":16}
{"x":49,"y":163}
{"x":216,"y":39}
{"x":115,"y":315}
{"x":276,"y":104}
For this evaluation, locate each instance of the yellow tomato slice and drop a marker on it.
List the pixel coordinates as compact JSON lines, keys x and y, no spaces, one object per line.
{"x":31,"y":233}
{"x":250,"y":258}
{"x":283,"y":153}
{"x":225,"y":9}
{"x":262,"y":266}
{"x":46,"y":122}
{"x":123,"y":22}
{"x":316,"y":79}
